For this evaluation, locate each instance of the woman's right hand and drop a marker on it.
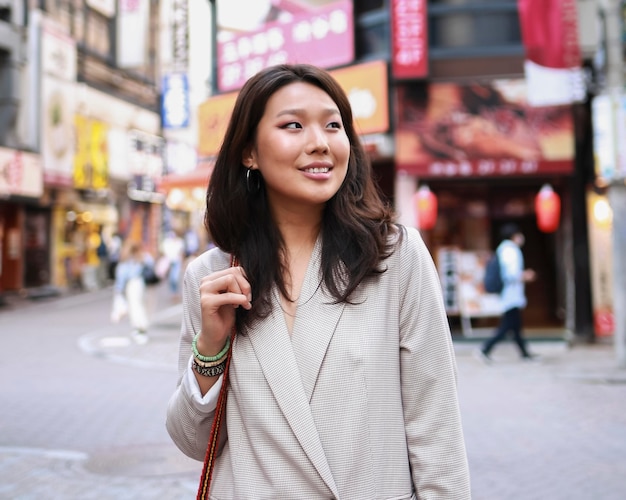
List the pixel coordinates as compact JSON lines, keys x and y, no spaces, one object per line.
{"x":221,"y":293}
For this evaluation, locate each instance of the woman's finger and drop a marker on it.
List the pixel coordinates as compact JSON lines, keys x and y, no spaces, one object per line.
{"x":229,"y":280}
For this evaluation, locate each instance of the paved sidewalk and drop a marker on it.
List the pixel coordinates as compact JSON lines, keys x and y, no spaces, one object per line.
{"x":552,"y":429}
{"x":594,"y":363}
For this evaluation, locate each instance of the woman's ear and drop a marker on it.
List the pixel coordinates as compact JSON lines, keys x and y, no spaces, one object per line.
{"x":248,"y":157}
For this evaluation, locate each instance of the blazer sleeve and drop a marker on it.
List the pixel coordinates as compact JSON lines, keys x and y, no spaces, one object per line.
{"x":428,"y":373}
{"x":189,"y":416}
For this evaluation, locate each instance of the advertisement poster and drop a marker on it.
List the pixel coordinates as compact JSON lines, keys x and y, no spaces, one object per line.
{"x":318,"y":32}
{"x":451,"y":130}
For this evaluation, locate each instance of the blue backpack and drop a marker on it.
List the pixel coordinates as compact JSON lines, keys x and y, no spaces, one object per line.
{"x":493,"y":276}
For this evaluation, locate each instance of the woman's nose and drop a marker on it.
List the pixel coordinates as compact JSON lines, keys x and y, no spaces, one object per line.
{"x":318,"y":142}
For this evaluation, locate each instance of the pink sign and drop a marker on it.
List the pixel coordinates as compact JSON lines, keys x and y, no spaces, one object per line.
{"x":323,"y":36}
{"x":409,"y":32}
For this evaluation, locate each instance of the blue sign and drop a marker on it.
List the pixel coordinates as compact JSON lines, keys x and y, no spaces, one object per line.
{"x":175,"y":101}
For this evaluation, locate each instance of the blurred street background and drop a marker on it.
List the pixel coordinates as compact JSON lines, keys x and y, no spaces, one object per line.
{"x":473,"y":113}
{"x":83,"y":410}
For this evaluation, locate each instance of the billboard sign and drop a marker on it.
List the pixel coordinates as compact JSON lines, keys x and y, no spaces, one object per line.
{"x":21,"y":173}
{"x":300,"y":32}
{"x":480,"y":130}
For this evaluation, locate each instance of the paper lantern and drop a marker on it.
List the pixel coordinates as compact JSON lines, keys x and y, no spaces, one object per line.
{"x":426,"y":207}
{"x":548,"y":209}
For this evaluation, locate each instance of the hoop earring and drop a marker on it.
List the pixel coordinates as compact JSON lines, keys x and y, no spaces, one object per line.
{"x":253,"y":185}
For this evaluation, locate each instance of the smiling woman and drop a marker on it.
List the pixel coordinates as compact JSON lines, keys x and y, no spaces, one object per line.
{"x":321,"y":317}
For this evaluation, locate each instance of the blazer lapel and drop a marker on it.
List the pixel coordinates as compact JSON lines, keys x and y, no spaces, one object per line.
{"x":271,"y":343}
{"x":315,"y":323}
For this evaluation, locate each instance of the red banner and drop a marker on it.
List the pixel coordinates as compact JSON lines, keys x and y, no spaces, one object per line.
{"x":409,"y":32}
{"x":550,"y":32}
{"x":553,"y":59}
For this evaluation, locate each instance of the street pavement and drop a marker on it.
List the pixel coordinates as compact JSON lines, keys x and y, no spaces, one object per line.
{"x":83,"y":410}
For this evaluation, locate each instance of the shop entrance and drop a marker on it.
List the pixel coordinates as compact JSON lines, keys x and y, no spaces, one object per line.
{"x":470,"y":217}
{"x":36,"y":247}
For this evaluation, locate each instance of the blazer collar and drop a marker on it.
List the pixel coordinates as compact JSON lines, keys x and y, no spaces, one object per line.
{"x":291,"y":363}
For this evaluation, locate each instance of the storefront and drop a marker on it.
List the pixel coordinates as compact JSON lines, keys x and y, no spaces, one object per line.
{"x":485,"y":155}
{"x":23,"y":224}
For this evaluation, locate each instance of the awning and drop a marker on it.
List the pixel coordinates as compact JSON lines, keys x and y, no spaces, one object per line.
{"x":196,"y":178}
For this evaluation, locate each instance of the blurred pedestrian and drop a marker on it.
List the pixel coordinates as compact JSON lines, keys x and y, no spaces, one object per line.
{"x":91,"y":259}
{"x":192,"y":243}
{"x":342,"y":377}
{"x":102,"y":253}
{"x":130,"y":287}
{"x":513,"y":295}
{"x":173,"y":249}
{"x":114,"y":248}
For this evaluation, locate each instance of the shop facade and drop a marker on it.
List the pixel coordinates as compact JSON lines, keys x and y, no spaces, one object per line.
{"x":102,"y":158}
{"x":24,"y":243}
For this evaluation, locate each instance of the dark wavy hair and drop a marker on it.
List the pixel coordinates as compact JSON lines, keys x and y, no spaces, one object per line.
{"x":356,"y":223}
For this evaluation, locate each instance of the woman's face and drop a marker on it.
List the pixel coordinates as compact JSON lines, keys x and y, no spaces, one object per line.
{"x":301,"y":147}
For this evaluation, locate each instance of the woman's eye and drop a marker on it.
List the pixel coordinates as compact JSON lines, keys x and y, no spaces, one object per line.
{"x":292,"y":125}
{"x":334,"y":125}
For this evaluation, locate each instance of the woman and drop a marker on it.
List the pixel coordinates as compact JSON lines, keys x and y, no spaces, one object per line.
{"x":130,"y":285}
{"x":342,"y":379}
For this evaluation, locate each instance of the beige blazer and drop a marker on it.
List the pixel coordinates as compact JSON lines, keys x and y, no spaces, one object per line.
{"x":359,"y":402}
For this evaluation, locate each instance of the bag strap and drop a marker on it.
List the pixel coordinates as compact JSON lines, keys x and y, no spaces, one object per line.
{"x":209,"y":459}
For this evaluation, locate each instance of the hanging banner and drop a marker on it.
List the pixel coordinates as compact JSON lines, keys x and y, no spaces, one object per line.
{"x":409,"y":39}
{"x":553,"y":59}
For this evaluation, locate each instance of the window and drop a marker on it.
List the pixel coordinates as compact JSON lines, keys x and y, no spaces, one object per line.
{"x":98,"y":33}
{"x":474,"y":28}
{"x":372,"y":35}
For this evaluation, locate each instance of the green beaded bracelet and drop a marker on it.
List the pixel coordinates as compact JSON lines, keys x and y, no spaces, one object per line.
{"x":208,"y":359}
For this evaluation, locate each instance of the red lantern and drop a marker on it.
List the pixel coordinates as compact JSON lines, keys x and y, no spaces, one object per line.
{"x":426,"y":207}
{"x":548,"y":209}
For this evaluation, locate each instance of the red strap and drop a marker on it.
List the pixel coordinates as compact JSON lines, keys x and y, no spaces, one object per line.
{"x":209,"y":459}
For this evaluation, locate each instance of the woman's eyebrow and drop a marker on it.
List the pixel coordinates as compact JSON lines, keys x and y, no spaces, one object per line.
{"x":301,"y":111}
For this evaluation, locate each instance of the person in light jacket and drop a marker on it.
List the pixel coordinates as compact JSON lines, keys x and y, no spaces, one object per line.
{"x":342,"y":381}
{"x":130,"y":288}
{"x":513,"y":294}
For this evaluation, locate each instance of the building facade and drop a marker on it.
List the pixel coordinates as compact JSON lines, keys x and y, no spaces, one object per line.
{"x":89,"y":111}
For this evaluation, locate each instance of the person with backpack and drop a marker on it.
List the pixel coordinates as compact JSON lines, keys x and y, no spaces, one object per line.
{"x":512,"y":277}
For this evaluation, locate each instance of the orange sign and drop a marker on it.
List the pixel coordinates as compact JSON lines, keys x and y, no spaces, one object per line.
{"x":365,"y":85}
{"x":213,"y":116}
{"x":367,"y":89}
